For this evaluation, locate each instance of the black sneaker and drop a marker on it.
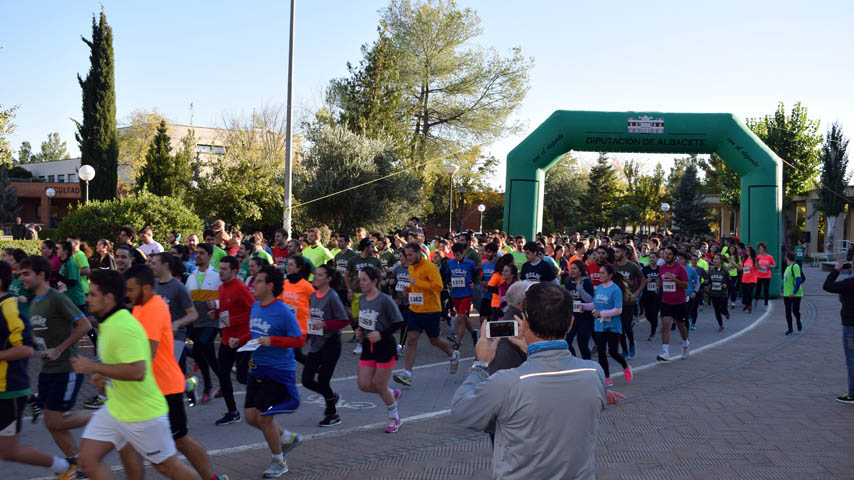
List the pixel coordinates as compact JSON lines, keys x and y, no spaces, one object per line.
{"x":330,"y":420}
{"x":35,"y":408}
{"x":847,"y":398}
{"x":94,"y":403}
{"x":229,"y":417}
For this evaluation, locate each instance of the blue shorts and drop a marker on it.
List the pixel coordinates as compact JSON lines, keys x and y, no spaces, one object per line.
{"x":424,"y":322}
{"x":58,"y":391}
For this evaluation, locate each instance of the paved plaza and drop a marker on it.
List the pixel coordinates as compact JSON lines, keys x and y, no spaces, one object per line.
{"x":758,"y":405}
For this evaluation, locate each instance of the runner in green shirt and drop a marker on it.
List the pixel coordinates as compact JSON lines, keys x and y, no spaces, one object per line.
{"x":343,"y":258}
{"x":317,"y":253}
{"x":70,"y":282}
{"x":82,"y":262}
{"x":800,"y":251}
{"x":218,"y":253}
{"x":13,"y":256}
{"x":135,"y":411}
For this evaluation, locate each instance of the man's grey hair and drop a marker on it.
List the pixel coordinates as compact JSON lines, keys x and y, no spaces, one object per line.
{"x":516,"y":293}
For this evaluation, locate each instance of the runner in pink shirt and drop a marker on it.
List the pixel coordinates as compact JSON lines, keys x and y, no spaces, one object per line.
{"x":674,"y":302}
{"x":763,"y":271}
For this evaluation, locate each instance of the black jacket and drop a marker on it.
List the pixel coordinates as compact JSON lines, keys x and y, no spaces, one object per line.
{"x":845,"y":289}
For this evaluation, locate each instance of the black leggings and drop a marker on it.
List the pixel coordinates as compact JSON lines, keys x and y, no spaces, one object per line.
{"x":203,"y":352}
{"x":693,"y":306}
{"x":581,"y":331}
{"x":763,"y":283}
{"x":650,"y":310}
{"x":747,"y":294}
{"x":321,"y":364}
{"x":793,"y":306}
{"x":227,"y":357}
{"x":733,"y":288}
{"x":719,"y":304}
{"x":612,"y":341}
{"x":628,"y":331}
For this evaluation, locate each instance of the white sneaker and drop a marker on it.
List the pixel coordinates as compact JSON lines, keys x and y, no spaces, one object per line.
{"x":685,"y":353}
{"x":663,"y":357}
{"x":358,"y":349}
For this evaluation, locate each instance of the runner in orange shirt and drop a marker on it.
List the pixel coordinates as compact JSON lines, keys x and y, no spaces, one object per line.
{"x":153,"y":314}
{"x":296,"y":295}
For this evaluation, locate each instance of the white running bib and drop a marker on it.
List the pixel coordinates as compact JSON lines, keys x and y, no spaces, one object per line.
{"x":746,"y":270}
{"x":763,"y":269}
{"x":576,"y":307}
{"x":416,"y":299}
{"x":458,"y":282}
{"x":367,"y":322}
{"x":668,"y":286}
{"x":652,"y":287}
{"x":401,"y":286}
{"x":224,"y":319}
{"x":716,"y":285}
{"x":314,"y":331}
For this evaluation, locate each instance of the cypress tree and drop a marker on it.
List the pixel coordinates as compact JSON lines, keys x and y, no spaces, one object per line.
{"x":97,"y":134}
{"x":8,"y":197}
{"x":600,"y":197}
{"x":690,"y":214}
{"x":159,"y":166}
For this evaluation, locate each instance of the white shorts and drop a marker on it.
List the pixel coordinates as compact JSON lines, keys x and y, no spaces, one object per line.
{"x":151,"y":438}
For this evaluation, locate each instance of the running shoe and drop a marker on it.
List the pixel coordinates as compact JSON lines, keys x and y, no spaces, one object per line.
{"x":358,"y":349}
{"x":220,"y":477}
{"x":397,"y":393}
{"x":291,"y":444}
{"x":452,"y":337}
{"x":400,"y":349}
{"x":403,"y":379}
{"x":70,"y":474}
{"x":276,"y":469}
{"x":685,"y":353}
{"x":35,"y":408}
{"x":330,"y":420}
{"x":726,"y":316}
{"x":632,"y":351}
{"x":628,"y":373}
{"x":650,"y":338}
{"x":206,"y":397}
{"x":455,"y":362}
{"x":228,"y":418}
{"x":847,"y":398}
{"x":393,"y":425}
{"x":663,"y":357}
{"x":673,"y":326}
{"x":609,"y":382}
{"x":693,"y":327}
{"x":721,"y":328}
{"x":94,"y":403}
{"x":800,"y":326}
{"x":789,"y":331}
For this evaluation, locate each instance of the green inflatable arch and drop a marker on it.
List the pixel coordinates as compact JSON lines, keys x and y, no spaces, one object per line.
{"x":760,"y":169}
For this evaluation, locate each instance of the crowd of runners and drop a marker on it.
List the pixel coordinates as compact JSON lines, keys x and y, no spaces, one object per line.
{"x":247,"y":309}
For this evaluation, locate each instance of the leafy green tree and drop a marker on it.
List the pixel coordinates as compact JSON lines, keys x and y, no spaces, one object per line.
{"x":96,"y":134}
{"x":103,"y":218}
{"x":690,"y":214}
{"x":52,"y":149}
{"x":720,"y":179}
{"x":7,"y":128}
{"x":834,"y":179}
{"x":135,"y":139}
{"x":796,"y":140}
{"x":25,"y":152}
{"x":565,"y":187}
{"x":8,"y":197}
{"x":602,"y":190}
{"x":340,"y":160}
{"x":161,"y":174}
{"x":624,"y":215}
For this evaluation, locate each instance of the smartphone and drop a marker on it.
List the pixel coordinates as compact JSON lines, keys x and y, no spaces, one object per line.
{"x":502,"y":329}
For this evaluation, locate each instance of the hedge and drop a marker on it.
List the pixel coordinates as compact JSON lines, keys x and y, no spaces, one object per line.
{"x":103,"y":219}
{"x":32,"y":247}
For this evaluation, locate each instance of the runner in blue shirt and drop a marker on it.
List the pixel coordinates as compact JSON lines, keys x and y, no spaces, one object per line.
{"x":462,"y":271}
{"x":607,"y":306}
{"x":487,"y":270}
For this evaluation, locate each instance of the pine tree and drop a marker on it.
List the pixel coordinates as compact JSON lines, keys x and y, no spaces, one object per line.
{"x":8,"y":197}
{"x":834,"y":179}
{"x":97,"y":134}
{"x":690,"y":214}
{"x":601,"y":193}
{"x":161,"y":174}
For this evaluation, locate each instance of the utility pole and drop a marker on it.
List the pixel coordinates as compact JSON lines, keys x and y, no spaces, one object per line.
{"x":286,"y":221}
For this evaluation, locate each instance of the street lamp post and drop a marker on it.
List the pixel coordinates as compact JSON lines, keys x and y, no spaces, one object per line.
{"x":481,"y":208}
{"x":50,"y":192}
{"x":288,"y":213}
{"x":665,"y":207}
{"x":450,"y":169}
{"x":86,"y":173}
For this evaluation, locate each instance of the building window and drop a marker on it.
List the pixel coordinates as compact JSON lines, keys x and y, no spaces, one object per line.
{"x":41,"y":177}
{"x":71,"y":178}
{"x":219,"y":150}
{"x":50,"y":178}
{"x":203,"y":149}
{"x":61,"y":178}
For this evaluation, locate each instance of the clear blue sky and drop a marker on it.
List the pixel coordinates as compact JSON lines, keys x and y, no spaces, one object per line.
{"x":727,"y":56}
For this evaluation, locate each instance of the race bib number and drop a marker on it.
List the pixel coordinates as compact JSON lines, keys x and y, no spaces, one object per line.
{"x":401,"y":286}
{"x":314,"y":331}
{"x":668,"y":286}
{"x":576,"y":307}
{"x":224,"y":320}
{"x":458,"y":282}
{"x":416,"y":299}
{"x":746,"y":270}
{"x":367,"y":322}
{"x":292,"y":308}
{"x":652,"y":287}
{"x":716,"y":286}
{"x":763,"y":269}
